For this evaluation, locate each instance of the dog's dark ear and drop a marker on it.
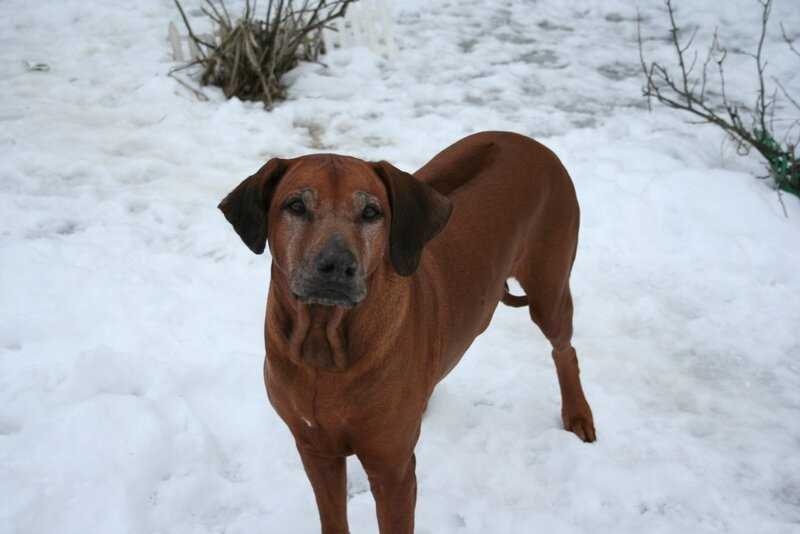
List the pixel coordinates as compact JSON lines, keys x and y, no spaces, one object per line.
{"x":247,"y":206}
{"x":419,"y":212}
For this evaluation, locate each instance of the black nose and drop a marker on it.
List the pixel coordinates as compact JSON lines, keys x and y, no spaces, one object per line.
{"x":336,"y":262}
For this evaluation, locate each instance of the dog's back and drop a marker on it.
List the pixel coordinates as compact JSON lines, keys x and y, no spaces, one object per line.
{"x":511,"y":196}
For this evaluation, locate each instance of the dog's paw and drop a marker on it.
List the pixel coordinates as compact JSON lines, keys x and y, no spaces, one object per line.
{"x":580,"y":422}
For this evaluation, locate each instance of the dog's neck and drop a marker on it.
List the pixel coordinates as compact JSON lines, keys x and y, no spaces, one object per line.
{"x":332,"y":337}
{"x":317,"y":337}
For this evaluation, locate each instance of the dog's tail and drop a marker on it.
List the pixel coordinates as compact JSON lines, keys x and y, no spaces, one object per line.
{"x":515,"y":301}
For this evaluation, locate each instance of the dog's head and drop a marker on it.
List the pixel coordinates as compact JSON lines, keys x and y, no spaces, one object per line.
{"x":331,"y":221}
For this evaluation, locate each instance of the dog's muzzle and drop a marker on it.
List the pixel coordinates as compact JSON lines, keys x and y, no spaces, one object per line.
{"x":332,"y":278}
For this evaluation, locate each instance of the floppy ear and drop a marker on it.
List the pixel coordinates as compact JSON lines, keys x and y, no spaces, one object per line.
{"x":419,"y":213}
{"x":247,"y":206}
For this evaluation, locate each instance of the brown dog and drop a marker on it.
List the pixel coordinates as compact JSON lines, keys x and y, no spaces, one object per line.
{"x":381,"y":281}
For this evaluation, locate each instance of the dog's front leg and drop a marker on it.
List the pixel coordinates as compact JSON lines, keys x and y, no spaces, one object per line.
{"x":394,"y":486}
{"x":328,"y":476}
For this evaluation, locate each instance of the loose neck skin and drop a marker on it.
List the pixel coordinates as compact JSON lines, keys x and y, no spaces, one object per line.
{"x":334,"y":338}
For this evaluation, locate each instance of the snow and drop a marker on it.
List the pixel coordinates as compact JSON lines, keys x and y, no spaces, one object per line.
{"x":131,"y":396}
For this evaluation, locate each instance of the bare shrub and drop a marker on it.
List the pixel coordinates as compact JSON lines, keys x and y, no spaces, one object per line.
{"x":750,"y":127}
{"x":247,"y":56}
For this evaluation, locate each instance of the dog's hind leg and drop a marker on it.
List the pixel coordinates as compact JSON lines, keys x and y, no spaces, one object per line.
{"x":544,"y":275}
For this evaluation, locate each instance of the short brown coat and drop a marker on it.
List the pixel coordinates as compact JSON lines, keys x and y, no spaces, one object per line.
{"x":357,"y":381}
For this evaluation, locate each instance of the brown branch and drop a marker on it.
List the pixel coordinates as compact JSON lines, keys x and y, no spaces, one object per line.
{"x":760,"y":65}
{"x":786,"y":94}
{"x":789,"y":41}
{"x":199,"y":94}
{"x":189,"y":28}
{"x":678,"y":50}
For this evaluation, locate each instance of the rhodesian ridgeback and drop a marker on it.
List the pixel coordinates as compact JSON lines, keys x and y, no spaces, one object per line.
{"x":381,"y":280}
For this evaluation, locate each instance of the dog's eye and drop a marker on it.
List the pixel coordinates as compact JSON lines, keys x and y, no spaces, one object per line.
{"x":370,"y":213}
{"x":296,"y":207}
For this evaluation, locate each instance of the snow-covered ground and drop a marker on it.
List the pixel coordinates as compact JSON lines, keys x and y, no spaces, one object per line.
{"x":131,"y":345}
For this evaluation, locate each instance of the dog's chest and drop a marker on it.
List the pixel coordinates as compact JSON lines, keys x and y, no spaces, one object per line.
{"x":334,"y":411}
{"x":307,"y":397}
